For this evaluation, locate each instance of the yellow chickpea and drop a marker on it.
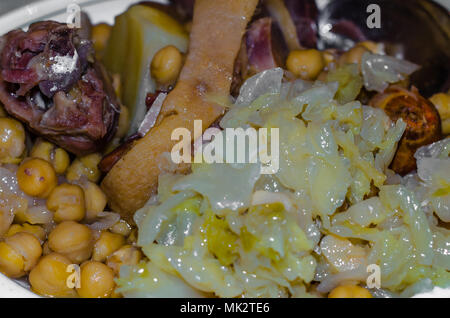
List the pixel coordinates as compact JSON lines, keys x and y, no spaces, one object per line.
{"x":36,"y":177}
{"x":166,"y":65}
{"x":67,"y":203}
{"x":353,"y":56}
{"x":122,"y":228}
{"x":12,"y":139}
{"x":442,"y":103}
{"x":19,"y":253}
{"x":107,"y":244}
{"x":34,"y":215}
{"x":96,"y":280}
{"x":85,"y":166}
{"x":73,"y":240}
{"x":349,"y":291}
{"x":95,"y":200}
{"x":49,"y":277}
{"x":11,"y":262}
{"x":126,"y":255}
{"x":58,"y":157}
{"x":36,"y":230}
{"x":306,"y":64}
{"x":100,"y":35}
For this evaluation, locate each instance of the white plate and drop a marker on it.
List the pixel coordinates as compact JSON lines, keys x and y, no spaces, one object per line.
{"x":99,"y":11}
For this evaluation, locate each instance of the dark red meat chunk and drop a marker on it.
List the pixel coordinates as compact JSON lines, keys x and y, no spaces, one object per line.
{"x":50,"y":80}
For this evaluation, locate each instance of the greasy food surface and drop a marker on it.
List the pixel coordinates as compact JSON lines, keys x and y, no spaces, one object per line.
{"x":422,"y":118}
{"x":247,"y":149}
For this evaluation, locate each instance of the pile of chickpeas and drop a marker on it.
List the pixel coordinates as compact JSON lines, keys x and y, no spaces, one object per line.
{"x":47,"y":241}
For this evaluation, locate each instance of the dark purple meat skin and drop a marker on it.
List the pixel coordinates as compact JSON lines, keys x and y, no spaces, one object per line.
{"x":258,"y":40}
{"x":50,"y":80}
{"x":304,"y":14}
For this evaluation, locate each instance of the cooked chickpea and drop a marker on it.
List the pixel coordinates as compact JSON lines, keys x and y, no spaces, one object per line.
{"x":122,"y":228}
{"x":36,"y":230}
{"x":19,"y":253}
{"x":85,"y":166}
{"x":49,"y":276}
{"x":41,"y":149}
{"x":12,"y":139}
{"x":100,"y":35}
{"x":107,"y":244}
{"x":349,"y":291}
{"x":15,"y":228}
{"x":126,"y":255}
{"x":73,"y":240}
{"x":442,"y":103}
{"x":36,"y":177}
{"x":61,"y":160}
{"x":96,"y":280}
{"x":166,"y":65}
{"x":353,"y":56}
{"x":95,"y":199}
{"x":67,"y":203}
{"x":11,"y":262}
{"x":58,"y":157}
{"x":306,"y":64}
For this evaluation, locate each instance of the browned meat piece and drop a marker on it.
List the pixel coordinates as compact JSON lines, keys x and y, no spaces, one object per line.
{"x":49,"y":80}
{"x":423,"y":125}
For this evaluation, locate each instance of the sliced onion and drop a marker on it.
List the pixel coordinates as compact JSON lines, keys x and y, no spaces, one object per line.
{"x":104,"y":221}
{"x":380,"y":70}
{"x":265,"y":197}
{"x":8,"y":182}
{"x":438,"y":149}
{"x":268,"y":81}
{"x":152,"y":115}
{"x":39,"y":215}
{"x":332,"y":281}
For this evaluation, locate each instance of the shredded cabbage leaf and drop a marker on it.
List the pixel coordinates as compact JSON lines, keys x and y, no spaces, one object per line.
{"x":328,"y":212}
